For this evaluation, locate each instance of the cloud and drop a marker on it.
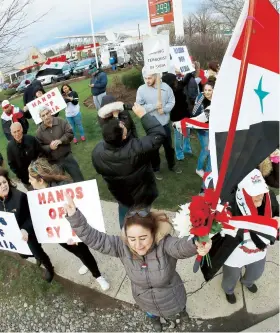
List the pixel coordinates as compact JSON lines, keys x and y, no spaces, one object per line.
{"x":64,"y":18}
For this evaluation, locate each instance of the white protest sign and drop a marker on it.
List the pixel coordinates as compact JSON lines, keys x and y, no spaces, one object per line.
{"x":48,"y":216}
{"x":156,"y":54}
{"x":180,"y":59}
{"x":10,"y":235}
{"x":52,"y":98}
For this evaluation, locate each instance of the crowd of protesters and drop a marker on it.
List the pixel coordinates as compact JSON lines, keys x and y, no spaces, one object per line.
{"x":130,"y":165}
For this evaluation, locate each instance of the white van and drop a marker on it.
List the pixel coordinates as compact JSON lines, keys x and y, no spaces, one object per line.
{"x":116,"y":50}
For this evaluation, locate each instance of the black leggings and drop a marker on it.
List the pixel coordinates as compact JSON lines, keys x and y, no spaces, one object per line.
{"x":83,"y":253}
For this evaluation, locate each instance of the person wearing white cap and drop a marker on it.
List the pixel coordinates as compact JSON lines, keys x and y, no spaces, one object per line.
{"x":13,"y":114}
{"x":252,"y":198}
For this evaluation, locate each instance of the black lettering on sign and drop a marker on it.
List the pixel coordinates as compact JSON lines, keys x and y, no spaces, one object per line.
{"x":184,"y":69}
{"x":182,"y":59}
{"x":179,"y":50}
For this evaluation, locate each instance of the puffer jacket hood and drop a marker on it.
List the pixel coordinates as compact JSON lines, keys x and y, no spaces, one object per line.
{"x":107,"y":109}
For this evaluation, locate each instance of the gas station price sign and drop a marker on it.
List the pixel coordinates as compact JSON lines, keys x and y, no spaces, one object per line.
{"x":161,"y":12}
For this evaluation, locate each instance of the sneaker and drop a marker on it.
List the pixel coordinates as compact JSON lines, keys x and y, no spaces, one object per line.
{"x":253,"y":289}
{"x":176,"y":170}
{"x":83,"y":138}
{"x":83,"y":270}
{"x":231,"y":298}
{"x":158,"y":175}
{"x":200,"y":173}
{"x":75,"y":141}
{"x":103,"y":283}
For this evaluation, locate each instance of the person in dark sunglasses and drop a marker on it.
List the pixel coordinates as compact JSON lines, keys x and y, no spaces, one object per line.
{"x":149,"y":254}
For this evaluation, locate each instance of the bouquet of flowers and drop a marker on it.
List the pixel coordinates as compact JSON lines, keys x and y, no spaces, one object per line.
{"x":198,"y":218}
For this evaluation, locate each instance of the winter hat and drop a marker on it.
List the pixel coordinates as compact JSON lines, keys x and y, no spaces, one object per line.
{"x":254,"y":183}
{"x":107,"y":99}
{"x":5,"y":103}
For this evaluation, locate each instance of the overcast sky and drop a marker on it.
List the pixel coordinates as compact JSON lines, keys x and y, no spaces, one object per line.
{"x":67,"y":17}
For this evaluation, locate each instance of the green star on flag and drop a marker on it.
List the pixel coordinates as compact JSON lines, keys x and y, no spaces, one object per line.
{"x":261,"y":93}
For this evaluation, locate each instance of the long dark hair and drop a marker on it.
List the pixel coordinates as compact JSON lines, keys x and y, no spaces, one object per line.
{"x":65,"y":85}
{"x":5,"y":173}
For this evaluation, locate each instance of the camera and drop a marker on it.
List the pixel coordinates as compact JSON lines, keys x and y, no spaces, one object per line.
{"x":127,"y":107}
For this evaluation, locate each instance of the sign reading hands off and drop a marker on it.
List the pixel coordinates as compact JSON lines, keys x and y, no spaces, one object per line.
{"x":52,"y":99}
{"x":48,"y":215}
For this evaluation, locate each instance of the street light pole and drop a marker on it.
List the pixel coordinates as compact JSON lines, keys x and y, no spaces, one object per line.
{"x":92,"y":32}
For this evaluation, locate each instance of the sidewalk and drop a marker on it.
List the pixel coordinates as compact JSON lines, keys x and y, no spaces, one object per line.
{"x":206,"y":304}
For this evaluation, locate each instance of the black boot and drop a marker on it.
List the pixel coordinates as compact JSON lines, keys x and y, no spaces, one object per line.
{"x":49,"y":274}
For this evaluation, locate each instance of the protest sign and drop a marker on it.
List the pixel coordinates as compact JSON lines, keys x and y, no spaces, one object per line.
{"x":180,"y":59}
{"x":52,"y":98}
{"x":48,"y":215}
{"x":156,"y":54}
{"x":10,"y":235}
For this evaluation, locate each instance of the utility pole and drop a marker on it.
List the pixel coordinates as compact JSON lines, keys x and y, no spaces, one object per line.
{"x":139,"y":35}
{"x":92,"y":32}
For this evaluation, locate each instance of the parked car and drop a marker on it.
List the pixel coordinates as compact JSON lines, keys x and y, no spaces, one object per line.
{"x":65,"y":74}
{"x":14,"y":84}
{"x":30,"y":77}
{"x":84,"y":65}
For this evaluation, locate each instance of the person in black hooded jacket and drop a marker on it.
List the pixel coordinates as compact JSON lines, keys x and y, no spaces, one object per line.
{"x":15,"y":201}
{"x":110,"y":108}
{"x":125,"y":162}
{"x":179,"y":112}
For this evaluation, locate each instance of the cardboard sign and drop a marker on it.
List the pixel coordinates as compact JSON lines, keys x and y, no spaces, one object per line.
{"x":180,"y":59}
{"x":10,"y":235}
{"x":52,"y":98}
{"x":156,"y":54}
{"x":48,"y":215}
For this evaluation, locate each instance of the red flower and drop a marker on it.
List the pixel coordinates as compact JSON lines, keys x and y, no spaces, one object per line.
{"x":200,"y":232}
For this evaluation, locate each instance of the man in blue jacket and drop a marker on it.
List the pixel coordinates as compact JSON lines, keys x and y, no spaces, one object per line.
{"x":98,"y":84}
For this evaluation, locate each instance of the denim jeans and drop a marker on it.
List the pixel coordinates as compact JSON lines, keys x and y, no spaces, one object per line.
{"x":168,"y":149}
{"x":122,"y":212}
{"x":204,"y":156}
{"x":182,"y":144}
{"x":76,"y":121}
{"x":97,"y":100}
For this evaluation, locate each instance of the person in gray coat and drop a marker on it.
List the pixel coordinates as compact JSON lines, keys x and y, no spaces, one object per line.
{"x":149,"y":254}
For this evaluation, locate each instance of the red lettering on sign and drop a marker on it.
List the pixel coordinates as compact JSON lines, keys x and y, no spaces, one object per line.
{"x":53,"y":93}
{"x":49,"y":96}
{"x":51,"y":198}
{"x":56,"y":108}
{"x":79,"y":192}
{"x":39,"y":102}
{"x":41,"y":198}
{"x":61,"y":212}
{"x":59,"y":195}
{"x":34,"y":104}
{"x":71,"y":193}
{"x":51,"y":103}
{"x":52,"y":213}
{"x":49,"y":232}
{"x":57,"y":230}
{"x":44,"y":99}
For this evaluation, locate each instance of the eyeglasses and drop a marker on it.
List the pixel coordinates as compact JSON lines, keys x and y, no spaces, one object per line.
{"x":142,"y":213}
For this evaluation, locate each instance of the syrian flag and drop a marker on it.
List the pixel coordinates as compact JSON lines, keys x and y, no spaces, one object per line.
{"x":246,"y":99}
{"x":53,"y":66}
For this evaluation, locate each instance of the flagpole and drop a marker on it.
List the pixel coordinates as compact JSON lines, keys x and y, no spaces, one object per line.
{"x":92,"y":32}
{"x":234,"y":117}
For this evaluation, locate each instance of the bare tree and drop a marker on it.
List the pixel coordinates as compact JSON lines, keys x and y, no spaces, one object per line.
{"x":136,"y":54}
{"x":204,"y":20}
{"x":190,"y":26}
{"x":13,"y":22}
{"x":229,"y":10}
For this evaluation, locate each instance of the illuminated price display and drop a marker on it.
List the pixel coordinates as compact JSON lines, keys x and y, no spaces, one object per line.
{"x":161,"y":12}
{"x":163,"y":8}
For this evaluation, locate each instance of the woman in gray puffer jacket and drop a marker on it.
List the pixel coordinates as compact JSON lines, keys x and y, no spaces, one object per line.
{"x":149,"y":255}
